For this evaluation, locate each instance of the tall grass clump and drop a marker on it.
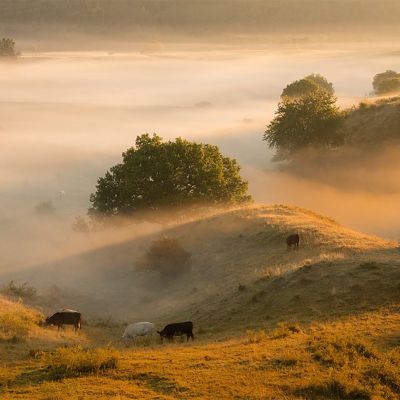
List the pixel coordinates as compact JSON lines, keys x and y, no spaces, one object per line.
{"x":24,"y":290}
{"x":285,"y":329}
{"x":339,"y":350}
{"x":17,"y":323}
{"x":75,"y":361}
{"x":256,"y":336}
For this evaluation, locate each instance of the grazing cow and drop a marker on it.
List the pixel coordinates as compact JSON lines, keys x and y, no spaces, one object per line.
{"x":138,"y":329}
{"x":293,"y":240}
{"x":65,"y":318}
{"x":177,"y":329}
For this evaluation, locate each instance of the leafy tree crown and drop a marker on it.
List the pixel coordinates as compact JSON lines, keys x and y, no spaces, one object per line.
{"x":155,"y":175}
{"x":312,"y":120}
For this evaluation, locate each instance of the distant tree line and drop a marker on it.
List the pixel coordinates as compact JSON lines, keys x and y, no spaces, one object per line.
{"x":201,"y":16}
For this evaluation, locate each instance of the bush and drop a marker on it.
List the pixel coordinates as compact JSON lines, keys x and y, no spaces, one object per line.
{"x":80,"y":225}
{"x":284,"y":329}
{"x":337,"y":350}
{"x":167,"y":257}
{"x":7,"y":47}
{"x":386,"y":82}
{"x":338,"y":389}
{"x":256,"y":336}
{"x":24,"y":291}
{"x":45,"y":208}
{"x":75,"y":361}
{"x":18,"y":324}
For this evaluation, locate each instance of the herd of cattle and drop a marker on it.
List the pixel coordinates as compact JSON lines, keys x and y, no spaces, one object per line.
{"x":72,"y":317}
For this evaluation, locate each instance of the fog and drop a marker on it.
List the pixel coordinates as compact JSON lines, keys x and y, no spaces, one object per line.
{"x":65,"y":118}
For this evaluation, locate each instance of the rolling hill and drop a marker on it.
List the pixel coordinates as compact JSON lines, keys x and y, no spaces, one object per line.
{"x":241,"y":276}
{"x":322,"y":322}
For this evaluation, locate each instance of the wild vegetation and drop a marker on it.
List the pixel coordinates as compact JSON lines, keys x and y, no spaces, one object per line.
{"x":193,"y":17}
{"x":7,"y":47}
{"x":308,"y":118}
{"x":386,"y":83}
{"x":156,"y":176}
{"x":306,"y":86}
{"x":172,"y":233}
{"x":348,"y":359}
{"x":313,"y":119}
{"x":167,"y":257}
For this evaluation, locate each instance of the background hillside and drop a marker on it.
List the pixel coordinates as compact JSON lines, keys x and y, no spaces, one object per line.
{"x":242,"y":275}
{"x":158,"y":19}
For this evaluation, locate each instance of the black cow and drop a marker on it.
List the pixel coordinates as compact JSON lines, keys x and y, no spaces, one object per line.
{"x":293,"y":240}
{"x":65,"y":318}
{"x":177,"y":329}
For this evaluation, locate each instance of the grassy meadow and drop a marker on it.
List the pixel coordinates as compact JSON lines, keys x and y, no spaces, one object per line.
{"x":319,"y":323}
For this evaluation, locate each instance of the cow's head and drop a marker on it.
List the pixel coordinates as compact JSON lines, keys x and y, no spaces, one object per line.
{"x":162,"y":334}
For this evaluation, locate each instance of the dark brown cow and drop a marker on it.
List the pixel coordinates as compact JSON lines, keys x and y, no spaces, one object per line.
{"x":293,"y":240}
{"x":177,"y":329}
{"x":65,"y":318}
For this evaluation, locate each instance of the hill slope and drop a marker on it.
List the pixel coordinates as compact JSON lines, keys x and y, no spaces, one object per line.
{"x":324,"y":320}
{"x":336,"y":271}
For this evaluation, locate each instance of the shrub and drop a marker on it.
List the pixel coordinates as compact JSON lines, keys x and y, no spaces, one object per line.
{"x":284,"y":329}
{"x":25,"y":290}
{"x":386,"y":82}
{"x":256,"y":336}
{"x":80,"y":225}
{"x":7,"y":47}
{"x":167,"y":257}
{"x":241,"y":288}
{"x":45,"y":208}
{"x":338,"y":389}
{"x":75,"y":361}
{"x":17,"y":325}
{"x":337,"y":350}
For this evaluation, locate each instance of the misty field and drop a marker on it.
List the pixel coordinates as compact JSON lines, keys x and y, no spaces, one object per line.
{"x":229,"y":167}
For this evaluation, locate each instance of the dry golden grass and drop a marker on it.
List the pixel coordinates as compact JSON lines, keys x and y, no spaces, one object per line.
{"x":319,"y":323}
{"x":351,"y":358}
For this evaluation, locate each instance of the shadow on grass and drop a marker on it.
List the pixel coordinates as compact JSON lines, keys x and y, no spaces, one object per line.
{"x":159,"y":384}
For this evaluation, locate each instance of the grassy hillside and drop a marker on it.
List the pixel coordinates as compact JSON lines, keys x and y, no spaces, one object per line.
{"x":374,"y":123}
{"x":350,"y":358}
{"x":322,"y":322}
{"x":241,"y":273}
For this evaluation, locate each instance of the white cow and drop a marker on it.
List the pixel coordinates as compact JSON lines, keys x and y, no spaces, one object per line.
{"x":138,"y":329}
